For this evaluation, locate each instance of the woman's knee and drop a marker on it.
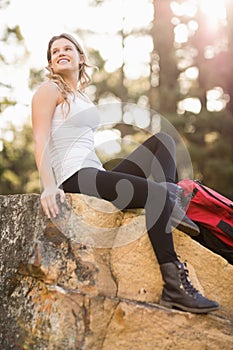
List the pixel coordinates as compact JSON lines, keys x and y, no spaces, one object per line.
{"x":166,"y":140}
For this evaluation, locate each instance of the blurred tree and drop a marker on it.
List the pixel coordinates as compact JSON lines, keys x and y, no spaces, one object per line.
{"x":10,"y":36}
{"x":18,"y":171}
{"x":210,"y":141}
{"x":4,"y":3}
{"x":209,"y":44}
{"x":208,"y":134}
{"x":228,"y":122}
{"x":164,"y":91}
{"x":210,"y":151}
{"x":16,"y":160}
{"x":115,"y":86}
{"x":36,"y":76}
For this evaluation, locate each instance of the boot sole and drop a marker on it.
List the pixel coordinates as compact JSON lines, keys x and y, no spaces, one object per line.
{"x":170,"y":305}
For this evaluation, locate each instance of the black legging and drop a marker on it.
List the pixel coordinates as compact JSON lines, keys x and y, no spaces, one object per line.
{"x":127,"y":186}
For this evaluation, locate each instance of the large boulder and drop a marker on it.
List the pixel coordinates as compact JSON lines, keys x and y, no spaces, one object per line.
{"x":89,"y":280}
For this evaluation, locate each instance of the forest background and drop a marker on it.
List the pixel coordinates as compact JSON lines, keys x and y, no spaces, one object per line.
{"x":171,"y":58}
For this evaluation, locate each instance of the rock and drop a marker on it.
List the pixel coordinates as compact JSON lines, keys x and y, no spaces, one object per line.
{"x":89,"y":280}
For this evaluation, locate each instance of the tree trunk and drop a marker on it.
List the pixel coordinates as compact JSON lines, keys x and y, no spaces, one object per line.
{"x":164,"y":72}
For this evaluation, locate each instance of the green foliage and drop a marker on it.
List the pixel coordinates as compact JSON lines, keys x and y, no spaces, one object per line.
{"x":5,"y":102}
{"x":36,"y":76}
{"x":4,"y":3}
{"x":211,"y":150}
{"x":18,"y":171}
{"x":16,"y":31}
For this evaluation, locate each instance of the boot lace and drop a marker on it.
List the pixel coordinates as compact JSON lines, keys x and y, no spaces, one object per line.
{"x":185,"y":280}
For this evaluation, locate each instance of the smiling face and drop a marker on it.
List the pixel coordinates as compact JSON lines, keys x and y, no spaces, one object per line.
{"x":64,"y":56}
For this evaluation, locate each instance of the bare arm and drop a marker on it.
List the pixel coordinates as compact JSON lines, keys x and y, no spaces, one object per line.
{"x":44,"y":103}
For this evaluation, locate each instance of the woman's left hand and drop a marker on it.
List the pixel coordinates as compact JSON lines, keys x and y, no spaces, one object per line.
{"x":48,"y":201}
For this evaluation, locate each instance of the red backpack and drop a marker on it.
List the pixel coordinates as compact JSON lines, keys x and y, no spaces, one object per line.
{"x":210,"y":210}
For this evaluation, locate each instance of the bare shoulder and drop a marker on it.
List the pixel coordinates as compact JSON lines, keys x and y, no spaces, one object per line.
{"x":44,"y":101}
{"x":47,"y":89}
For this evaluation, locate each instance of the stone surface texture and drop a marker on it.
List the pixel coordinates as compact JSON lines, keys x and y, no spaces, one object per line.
{"x":89,"y":280}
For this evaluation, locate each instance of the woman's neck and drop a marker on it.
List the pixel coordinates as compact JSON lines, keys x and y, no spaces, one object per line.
{"x":72,"y":82}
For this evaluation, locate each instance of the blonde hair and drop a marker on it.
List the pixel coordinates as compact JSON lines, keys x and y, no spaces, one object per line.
{"x":83,"y":78}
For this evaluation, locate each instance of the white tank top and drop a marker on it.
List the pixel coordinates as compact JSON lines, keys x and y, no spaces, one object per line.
{"x":72,"y":138}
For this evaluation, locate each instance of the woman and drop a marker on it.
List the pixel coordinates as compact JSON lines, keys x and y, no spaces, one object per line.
{"x":64,"y":117}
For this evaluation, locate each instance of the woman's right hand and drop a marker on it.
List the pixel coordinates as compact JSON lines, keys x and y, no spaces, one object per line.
{"x":48,"y":201}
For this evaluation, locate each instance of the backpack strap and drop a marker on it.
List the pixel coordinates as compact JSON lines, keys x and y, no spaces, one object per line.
{"x":230,"y":205}
{"x":225,"y":227}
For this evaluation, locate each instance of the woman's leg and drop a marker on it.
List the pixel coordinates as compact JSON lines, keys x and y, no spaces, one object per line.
{"x":127,"y":191}
{"x":156,"y":156}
